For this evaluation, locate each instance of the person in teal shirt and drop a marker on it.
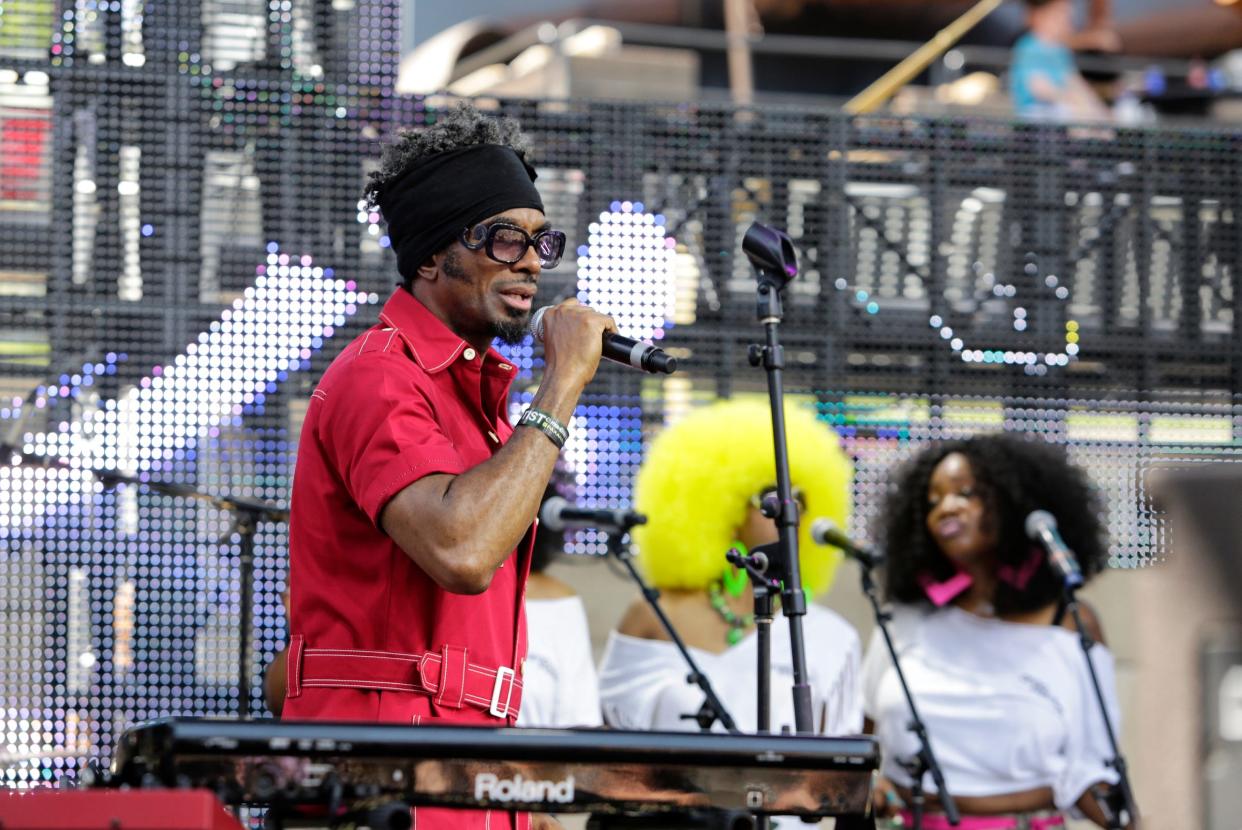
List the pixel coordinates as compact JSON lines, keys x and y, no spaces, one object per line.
{"x":1043,"y":80}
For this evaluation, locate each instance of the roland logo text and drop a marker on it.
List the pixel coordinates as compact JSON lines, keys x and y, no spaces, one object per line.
{"x":489,"y":786}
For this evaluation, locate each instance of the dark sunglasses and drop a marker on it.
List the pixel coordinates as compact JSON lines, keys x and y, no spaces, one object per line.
{"x":507,"y":243}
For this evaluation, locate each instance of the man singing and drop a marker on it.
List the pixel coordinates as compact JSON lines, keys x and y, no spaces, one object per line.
{"x":413,"y":497}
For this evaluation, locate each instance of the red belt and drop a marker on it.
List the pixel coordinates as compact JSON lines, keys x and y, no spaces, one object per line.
{"x":447,"y":676}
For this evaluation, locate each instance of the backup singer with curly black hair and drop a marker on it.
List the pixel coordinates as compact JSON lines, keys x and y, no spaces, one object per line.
{"x":1000,"y":681}
{"x":1012,"y":477}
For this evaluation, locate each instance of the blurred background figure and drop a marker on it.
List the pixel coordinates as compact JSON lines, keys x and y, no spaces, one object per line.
{"x":559,"y":683}
{"x":475,"y":46}
{"x":700,"y":487}
{"x":275,"y":677}
{"x":997,"y":675}
{"x":1043,"y":79}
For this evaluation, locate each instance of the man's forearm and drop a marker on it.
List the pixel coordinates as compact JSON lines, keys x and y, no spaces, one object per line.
{"x":511,"y":483}
{"x":461,"y":528}
{"x":491,"y":506}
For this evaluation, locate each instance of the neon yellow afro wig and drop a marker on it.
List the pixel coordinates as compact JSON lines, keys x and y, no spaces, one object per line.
{"x":698,"y":477}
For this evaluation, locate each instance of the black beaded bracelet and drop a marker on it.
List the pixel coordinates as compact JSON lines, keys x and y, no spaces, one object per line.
{"x":556,"y":431}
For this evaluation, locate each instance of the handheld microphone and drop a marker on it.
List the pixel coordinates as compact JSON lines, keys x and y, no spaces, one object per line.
{"x":824,"y":531}
{"x":621,"y":349}
{"x":559,"y":514}
{"x":1041,"y":526}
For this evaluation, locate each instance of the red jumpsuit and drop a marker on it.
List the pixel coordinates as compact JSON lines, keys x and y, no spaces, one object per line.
{"x":373,"y":638}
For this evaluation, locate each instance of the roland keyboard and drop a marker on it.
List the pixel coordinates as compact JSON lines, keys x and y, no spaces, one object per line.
{"x":287,"y":763}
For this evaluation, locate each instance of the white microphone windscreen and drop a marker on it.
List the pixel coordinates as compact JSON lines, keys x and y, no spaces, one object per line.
{"x":550,"y":513}
{"x":1037,"y":521}
{"x":821,"y":530}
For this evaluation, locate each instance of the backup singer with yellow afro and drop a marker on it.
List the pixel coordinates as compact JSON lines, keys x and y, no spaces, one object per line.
{"x":701,"y":486}
{"x":701,"y":475}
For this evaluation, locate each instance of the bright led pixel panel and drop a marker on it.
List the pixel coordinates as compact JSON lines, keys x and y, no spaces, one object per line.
{"x":185,"y":249}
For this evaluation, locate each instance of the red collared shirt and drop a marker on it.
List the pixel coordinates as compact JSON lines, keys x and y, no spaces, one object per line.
{"x":407,"y":399}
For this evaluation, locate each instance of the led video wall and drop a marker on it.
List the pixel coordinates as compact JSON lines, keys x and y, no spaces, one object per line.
{"x":185,"y":250}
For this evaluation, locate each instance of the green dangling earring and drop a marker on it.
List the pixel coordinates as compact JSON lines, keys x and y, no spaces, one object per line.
{"x":733,"y":580}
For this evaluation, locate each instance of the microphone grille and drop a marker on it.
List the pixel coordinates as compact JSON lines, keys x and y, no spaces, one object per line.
{"x":1038,"y":521}
{"x":536,"y":323}
{"x":821,"y":529}
{"x":550,"y":513}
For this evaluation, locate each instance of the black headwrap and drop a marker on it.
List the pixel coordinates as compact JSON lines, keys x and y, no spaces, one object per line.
{"x":445,"y":193}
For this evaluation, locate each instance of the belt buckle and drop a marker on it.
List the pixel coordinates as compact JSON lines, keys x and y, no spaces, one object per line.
{"x":495,"y":709}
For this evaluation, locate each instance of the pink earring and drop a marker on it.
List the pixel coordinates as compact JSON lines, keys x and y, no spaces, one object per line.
{"x":941,"y":593}
{"x":1020,"y":576}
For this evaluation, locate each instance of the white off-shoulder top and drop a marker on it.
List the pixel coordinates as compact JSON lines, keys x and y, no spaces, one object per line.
{"x":1008,"y":706}
{"x":642,"y":683}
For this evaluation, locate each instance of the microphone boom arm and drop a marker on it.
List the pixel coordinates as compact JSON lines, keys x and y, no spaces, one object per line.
{"x":1041,"y":527}
{"x":712,"y":708}
{"x":925,"y":759}
{"x":1128,"y":814}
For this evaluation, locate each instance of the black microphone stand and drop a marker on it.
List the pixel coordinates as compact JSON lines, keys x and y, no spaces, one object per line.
{"x":712,"y":709}
{"x":772,"y":255}
{"x":924,"y":760}
{"x":1121,"y":809}
{"x":764,"y":590}
{"x":246,"y":517}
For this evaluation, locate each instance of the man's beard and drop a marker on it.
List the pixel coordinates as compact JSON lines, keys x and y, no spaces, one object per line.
{"x":513,"y":329}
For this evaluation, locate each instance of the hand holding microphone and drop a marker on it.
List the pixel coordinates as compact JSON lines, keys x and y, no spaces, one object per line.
{"x":614,"y":346}
{"x":572,"y":337}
